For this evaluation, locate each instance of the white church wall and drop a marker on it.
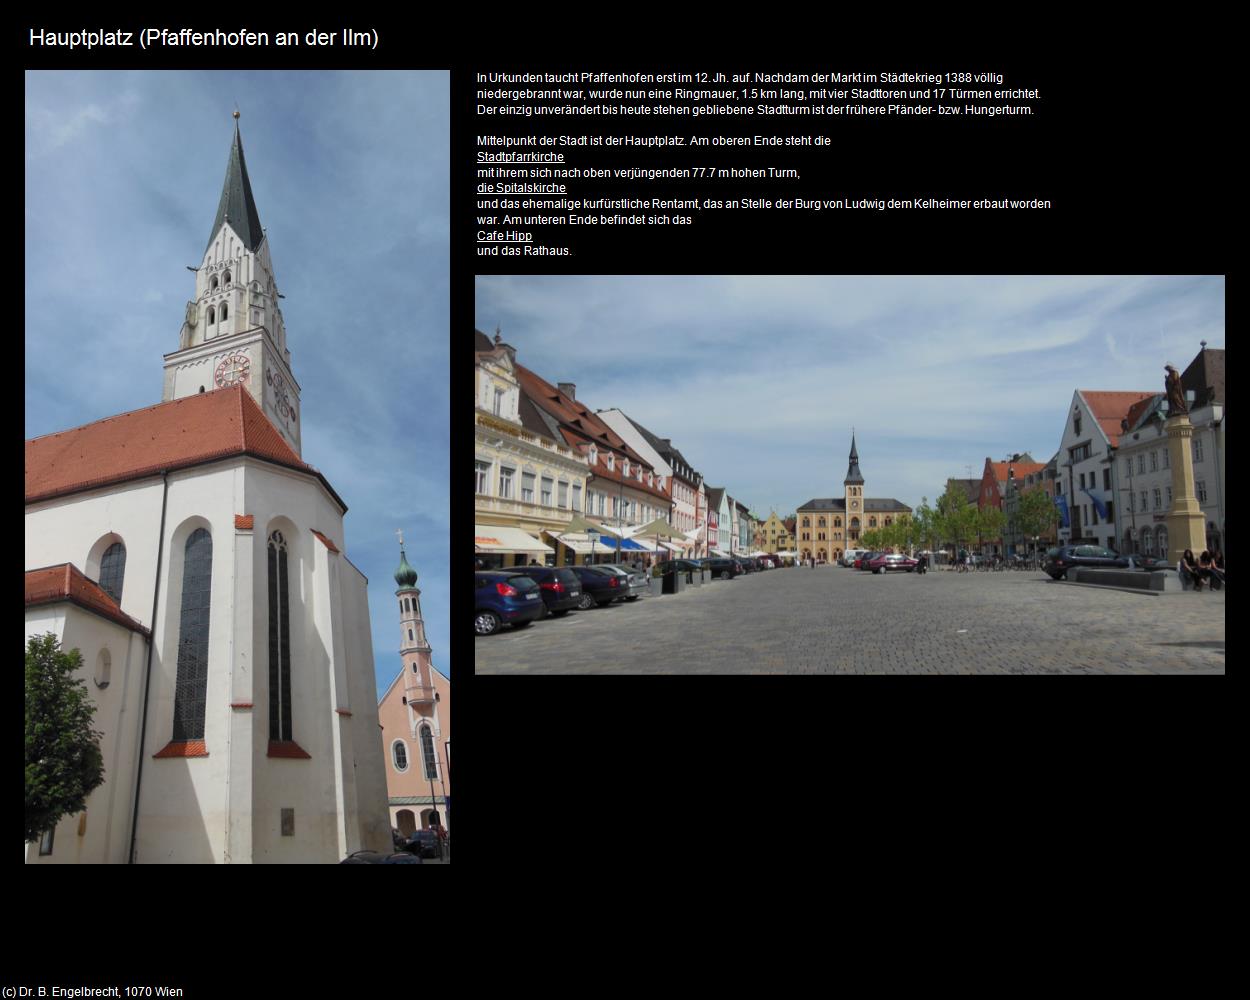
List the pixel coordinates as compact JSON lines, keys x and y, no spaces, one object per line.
{"x":183,"y":808}
{"x":104,"y":836}
{"x":371,"y":795}
{"x":69,"y":528}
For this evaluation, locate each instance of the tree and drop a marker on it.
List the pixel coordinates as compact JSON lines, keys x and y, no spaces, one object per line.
{"x":63,"y":760}
{"x":1036,"y":513}
{"x":990,"y":523}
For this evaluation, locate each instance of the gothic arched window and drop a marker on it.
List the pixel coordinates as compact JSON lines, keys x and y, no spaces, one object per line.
{"x":279,"y":641}
{"x":807,"y":522}
{"x":192,"y":683}
{"x":225,"y":278}
{"x":427,"y":752}
{"x":113,"y":570}
{"x":212,"y":285}
{"x":212,"y":315}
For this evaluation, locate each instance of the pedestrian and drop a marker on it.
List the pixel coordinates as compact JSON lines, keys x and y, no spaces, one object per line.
{"x":923,"y":565}
{"x":1206,"y":567}
{"x":1188,"y":569}
{"x":1217,"y":567}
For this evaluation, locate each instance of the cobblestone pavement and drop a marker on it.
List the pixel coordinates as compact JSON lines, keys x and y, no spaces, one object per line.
{"x":836,"y":620}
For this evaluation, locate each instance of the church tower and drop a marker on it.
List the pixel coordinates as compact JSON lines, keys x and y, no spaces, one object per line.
{"x":853,"y":494}
{"x":233,"y":332}
{"x":424,"y":725}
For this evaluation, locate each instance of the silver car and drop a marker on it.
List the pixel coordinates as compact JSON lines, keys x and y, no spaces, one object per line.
{"x":638,"y":583}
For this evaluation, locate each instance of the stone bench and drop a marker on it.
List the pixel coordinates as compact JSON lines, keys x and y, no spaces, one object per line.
{"x":1159,"y":581}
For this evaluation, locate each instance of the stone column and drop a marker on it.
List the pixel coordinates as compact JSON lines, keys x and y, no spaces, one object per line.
{"x":1186,"y":524}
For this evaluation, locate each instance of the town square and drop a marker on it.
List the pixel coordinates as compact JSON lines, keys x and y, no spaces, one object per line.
{"x":1086,"y":533}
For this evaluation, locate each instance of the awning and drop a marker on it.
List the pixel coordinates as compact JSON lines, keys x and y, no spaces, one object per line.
{"x":501,"y":539}
{"x":578,"y":543}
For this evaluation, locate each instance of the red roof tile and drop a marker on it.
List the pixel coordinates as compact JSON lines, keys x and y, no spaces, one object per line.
{"x":1020,"y":469}
{"x":183,"y":748}
{"x":173,"y":435}
{"x":287,"y":748}
{"x":580,"y":427}
{"x":66,"y":582}
{"x":325,"y":541}
{"x":1109,"y":408}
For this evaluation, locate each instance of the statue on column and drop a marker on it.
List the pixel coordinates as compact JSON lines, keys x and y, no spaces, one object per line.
{"x":1176,"y":395}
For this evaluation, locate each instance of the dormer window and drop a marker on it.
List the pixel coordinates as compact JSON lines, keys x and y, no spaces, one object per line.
{"x":593,"y":454}
{"x":625,"y":468}
{"x":611,"y":462}
{"x":650,"y":479}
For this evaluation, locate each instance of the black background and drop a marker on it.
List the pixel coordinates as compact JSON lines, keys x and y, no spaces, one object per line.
{"x":1132,"y":147}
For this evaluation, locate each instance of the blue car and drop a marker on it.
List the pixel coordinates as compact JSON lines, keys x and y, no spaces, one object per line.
{"x":504,"y":597}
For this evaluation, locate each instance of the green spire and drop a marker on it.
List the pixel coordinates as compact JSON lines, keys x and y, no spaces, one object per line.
{"x":237,"y":204}
{"x":405,"y":575}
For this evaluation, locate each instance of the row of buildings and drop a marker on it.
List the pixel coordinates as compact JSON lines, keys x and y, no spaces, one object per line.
{"x":558,"y":482}
{"x":1111,"y":476}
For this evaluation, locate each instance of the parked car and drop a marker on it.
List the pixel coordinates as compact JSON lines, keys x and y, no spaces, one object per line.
{"x":888,"y":561}
{"x":635,"y":581}
{"x":422,"y":843}
{"x":669,"y":566}
{"x":598,"y":587}
{"x":723,"y":567}
{"x":561,"y":589}
{"x":1059,"y":561}
{"x":504,"y":597}
{"x":1148,"y":563}
{"x":378,"y":858}
{"x":863,"y":560}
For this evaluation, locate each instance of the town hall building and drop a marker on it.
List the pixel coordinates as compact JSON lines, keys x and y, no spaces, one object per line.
{"x":200,"y":566}
{"x":827,"y":527}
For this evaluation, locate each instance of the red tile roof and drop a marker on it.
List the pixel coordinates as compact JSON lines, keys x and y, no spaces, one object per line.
{"x":67,"y":583}
{"x":1109,"y":408}
{"x":1021,"y":469}
{"x":325,"y":541}
{"x":173,"y":435}
{"x":581,"y":427}
{"x":183,"y":748}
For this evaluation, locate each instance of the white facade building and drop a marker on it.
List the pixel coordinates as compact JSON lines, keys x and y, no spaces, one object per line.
{"x":245,"y":729}
{"x":1144,"y":478}
{"x":1086,"y":468}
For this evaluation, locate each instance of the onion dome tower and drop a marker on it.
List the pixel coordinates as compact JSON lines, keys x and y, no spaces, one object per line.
{"x":413,"y":647}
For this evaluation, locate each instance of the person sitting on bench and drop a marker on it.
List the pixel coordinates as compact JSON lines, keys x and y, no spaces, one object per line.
{"x":1188,"y":569}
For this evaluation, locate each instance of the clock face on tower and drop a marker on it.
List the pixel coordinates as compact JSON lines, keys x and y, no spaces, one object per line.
{"x":281,"y":396}
{"x":233,"y":370}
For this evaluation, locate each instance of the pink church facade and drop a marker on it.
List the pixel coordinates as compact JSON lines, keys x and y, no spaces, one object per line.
{"x":415,"y":715}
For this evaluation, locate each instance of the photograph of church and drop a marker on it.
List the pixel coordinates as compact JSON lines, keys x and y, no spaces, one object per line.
{"x":192,"y":546}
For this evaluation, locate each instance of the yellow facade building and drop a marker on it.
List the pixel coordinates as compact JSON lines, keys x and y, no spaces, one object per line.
{"x":526,"y":483}
{"x":775,"y":536}
{"x":827,"y":527}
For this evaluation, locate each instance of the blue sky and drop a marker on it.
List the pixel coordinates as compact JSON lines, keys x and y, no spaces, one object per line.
{"x":759,"y":380}
{"x":350,"y":175}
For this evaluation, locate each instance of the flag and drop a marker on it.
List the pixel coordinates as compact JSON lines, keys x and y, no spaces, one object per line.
{"x":1062,"y":503}
{"x":1098,"y":504}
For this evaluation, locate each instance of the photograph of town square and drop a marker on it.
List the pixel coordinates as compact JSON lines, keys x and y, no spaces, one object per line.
{"x":849,"y":474}
{"x":236,"y":587}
